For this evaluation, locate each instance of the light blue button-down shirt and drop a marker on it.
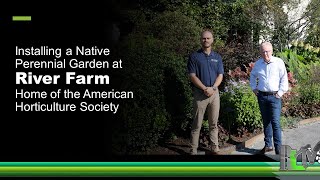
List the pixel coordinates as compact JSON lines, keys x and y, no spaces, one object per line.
{"x":270,"y":77}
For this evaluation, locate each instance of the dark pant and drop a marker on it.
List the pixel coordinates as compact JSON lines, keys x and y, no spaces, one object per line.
{"x":270,"y":108}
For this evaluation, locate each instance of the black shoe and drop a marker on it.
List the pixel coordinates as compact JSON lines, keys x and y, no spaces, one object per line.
{"x":265,"y":150}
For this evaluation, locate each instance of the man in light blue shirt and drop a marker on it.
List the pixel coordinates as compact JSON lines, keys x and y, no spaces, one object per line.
{"x":269,"y":81}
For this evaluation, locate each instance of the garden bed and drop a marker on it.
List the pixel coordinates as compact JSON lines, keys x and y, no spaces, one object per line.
{"x":180,"y":145}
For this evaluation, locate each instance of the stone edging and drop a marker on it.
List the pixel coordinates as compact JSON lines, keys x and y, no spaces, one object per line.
{"x":227,"y":150}
{"x":307,"y":121}
{"x":260,"y":137}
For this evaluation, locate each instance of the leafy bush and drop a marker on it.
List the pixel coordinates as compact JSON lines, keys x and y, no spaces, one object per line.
{"x":237,"y":56}
{"x":309,"y":94}
{"x":170,"y":27}
{"x":303,"y":100}
{"x":295,"y":65}
{"x":289,"y":122}
{"x":144,"y":118}
{"x":302,"y":110}
{"x":155,"y":70}
{"x":239,"y":107}
{"x":305,"y":103}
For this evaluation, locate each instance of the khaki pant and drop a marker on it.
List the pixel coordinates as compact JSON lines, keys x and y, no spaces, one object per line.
{"x":202,"y":102}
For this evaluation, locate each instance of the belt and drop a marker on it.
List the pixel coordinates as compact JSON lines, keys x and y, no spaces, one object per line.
{"x":268,"y":93}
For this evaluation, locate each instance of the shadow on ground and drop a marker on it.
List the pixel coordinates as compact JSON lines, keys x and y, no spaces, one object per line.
{"x":180,"y":149}
{"x":248,"y":150}
{"x":184,"y":149}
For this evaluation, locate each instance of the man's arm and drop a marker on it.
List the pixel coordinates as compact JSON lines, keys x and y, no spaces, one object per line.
{"x":253,"y":80}
{"x":284,"y":84}
{"x":210,"y":91}
{"x":191,"y":70}
{"x":218,"y":80}
{"x":196,"y":81}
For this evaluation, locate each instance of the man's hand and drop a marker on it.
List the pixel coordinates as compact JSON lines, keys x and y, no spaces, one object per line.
{"x":256,"y":91}
{"x":209,"y":91}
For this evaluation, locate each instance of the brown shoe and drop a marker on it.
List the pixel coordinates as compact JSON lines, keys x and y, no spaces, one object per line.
{"x":215,"y":149}
{"x":215,"y":153}
{"x":265,"y":150}
{"x":193,"y":151}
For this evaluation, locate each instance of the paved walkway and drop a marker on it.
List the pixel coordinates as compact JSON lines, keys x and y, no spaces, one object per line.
{"x":295,"y":138}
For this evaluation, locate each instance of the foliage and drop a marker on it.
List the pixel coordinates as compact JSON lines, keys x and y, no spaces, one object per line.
{"x":170,"y":27}
{"x":157,"y":37}
{"x":237,"y":55}
{"x":243,"y":76}
{"x":145,"y":118}
{"x":269,"y":21}
{"x":300,"y":59}
{"x":289,"y":122}
{"x":309,"y":93}
{"x":205,"y":126}
{"x":294,"y":65}
{"x":156,"y":71}
{"x":232,"y":21}
{"x":304,"y":99}
{"x":304,"y":111}
{"x":237,"y":24}
{"x":307,"y":53}
{"x":313,"y":30}
{"x":239,"y":104}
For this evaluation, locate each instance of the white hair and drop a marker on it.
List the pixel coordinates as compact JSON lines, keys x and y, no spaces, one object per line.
{"x":266,"y":43}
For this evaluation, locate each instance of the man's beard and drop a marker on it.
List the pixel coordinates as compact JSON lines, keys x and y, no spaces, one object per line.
{"x":206,"y":45}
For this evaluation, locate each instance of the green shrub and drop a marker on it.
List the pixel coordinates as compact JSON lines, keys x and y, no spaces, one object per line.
{"x":309,"y":93}
{"x":205,"y":126}
{"x":301,"y":61}
{"x":289,"y":122}
{"x":315,"y":73}
{"x":295,"y":65}
{"x":144,"y":118}
{"x":170,"y":27}
{"x":239,"y":108}
{"x":303,"y":100}
{"x":154,"y":68}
